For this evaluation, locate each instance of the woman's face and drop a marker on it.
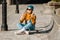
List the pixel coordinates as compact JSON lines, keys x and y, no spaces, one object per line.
{"x":29,"y":10}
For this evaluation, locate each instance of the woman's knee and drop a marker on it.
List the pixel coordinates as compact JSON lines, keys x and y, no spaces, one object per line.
{"x":19,"y":26}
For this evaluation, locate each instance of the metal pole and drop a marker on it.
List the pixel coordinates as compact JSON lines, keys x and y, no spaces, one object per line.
{"x":17,"y":6}
{"x":4,"y":26}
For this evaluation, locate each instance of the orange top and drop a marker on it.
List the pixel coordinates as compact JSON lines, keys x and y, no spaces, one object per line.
{"x":27,"y":16}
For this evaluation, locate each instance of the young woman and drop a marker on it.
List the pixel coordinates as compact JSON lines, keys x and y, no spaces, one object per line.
{"x":30,"y":21}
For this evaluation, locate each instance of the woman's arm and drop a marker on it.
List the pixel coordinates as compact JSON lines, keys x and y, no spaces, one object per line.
{"x":22,"y":18}
{"x":33,"y":19}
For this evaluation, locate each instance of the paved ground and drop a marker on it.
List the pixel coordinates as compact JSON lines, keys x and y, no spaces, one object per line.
{"x":43,"y":19}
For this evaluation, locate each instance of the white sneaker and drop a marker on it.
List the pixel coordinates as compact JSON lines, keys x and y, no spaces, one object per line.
{"x":27,"y":32}
{"x":19,"y":33}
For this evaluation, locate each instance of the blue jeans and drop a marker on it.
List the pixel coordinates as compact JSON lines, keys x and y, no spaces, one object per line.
{"x":28,"y":26}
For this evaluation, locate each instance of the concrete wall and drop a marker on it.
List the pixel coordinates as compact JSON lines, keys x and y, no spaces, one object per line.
{"x":8,"y":2}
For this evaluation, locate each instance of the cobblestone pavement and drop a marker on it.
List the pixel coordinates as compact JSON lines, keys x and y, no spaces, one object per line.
{"x":44,"y":14}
